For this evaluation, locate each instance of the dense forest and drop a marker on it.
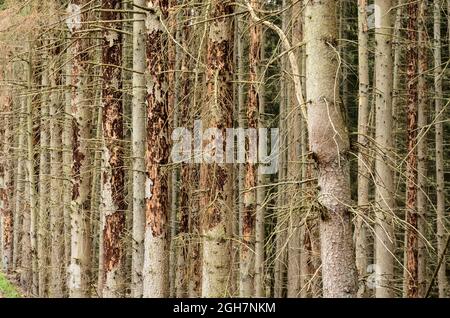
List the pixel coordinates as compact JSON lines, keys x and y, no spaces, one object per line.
{"x":218,"y":148}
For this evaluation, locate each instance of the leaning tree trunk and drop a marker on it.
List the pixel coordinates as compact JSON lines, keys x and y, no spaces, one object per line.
{"x":329,"y":144}
{"x":156,"y":242}
{"x":113,"y":202}
{"x":384,"y":185}
{"x":216,"y":180}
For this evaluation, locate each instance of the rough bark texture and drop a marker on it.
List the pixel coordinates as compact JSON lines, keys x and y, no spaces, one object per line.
{"x":329,"y":143}
{"x":113,"y":203}
{"x":216,"y":180}
{"x":156,"y":246}
{"x":250,"y":179}
{"x":138,"y":148}
{"x":384,"y":185}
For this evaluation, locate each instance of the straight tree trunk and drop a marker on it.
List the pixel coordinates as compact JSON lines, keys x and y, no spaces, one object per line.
{"x":440,"y":195}
{"x":361,"y":242}
{"x":294,"y":171}
{"x":29,"y":246}
{"x":422,"y":150}
{"x":6,"y":187}
{"x":384,"y":185}
{"x":260,"y":233}
{"x":44,"y":179}
{"x":329,"y":144}
{"x":113,"y":204}
{"x":80,"y":208}
{"x":216,"y":180}
{"x":156,"y":243}
{"x":411,"y":242}
{"x":138,"y":147}
{"x":247,"y":259}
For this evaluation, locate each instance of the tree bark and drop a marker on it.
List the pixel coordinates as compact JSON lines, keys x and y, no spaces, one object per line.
{"x":216,"y":180}
{"x":384,"y":185}
{"x":422,"y":151}
{"x":329,"y":144}
{"x":138,"y":148}
{"x":361,"y":242}
{"x":113,"y":202}
{"x":411,"y":241}
{"x":440,"y":195}
{"x":156,"y":244}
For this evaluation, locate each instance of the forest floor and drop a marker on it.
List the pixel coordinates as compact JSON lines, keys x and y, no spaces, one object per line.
{"x":7,"y":289}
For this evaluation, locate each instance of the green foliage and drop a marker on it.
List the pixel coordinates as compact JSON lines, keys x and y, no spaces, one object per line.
{"x":7,"y":289}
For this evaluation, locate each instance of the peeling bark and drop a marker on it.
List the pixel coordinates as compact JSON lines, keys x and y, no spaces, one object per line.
{"x":216,"y":180}
{"x":156,"y":245}
{"x":113,"y":202}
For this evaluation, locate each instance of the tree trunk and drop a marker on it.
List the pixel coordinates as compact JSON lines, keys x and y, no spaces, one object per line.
{"x":361,"y":243}
{"x":250,"y":180}
{"x":294,"y":171}
{"x":138,"y":148}
{"x":6,"y":187}
{"x":384,"y":185}
{"x":411,"y":242}
{"x":80,"y":230}
{"x":329,"y":143}
{"x":422,"y":151}
{"x":156,"y":244}
{"x":260,"y":233}
{"x":216,"y":180}
{"x":440,"y":195}
{"x":113,"y":203}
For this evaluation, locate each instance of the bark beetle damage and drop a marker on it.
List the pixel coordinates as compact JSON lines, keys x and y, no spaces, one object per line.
{"x":250,"y":181}
{"x":112,"y":236}
{"x":113,"y":132}
{"x":158,"y":148}
{"x":213,"y":177}
{"x":78,"y":158}
{"x":411,"y":162}
{"x":6,"y":212}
